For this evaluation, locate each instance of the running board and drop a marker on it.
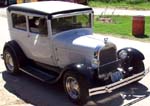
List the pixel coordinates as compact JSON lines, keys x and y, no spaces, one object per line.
{"x":39,"y":74}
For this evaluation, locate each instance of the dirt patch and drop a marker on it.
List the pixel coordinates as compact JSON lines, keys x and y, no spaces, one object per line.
{"x":104,"y":19}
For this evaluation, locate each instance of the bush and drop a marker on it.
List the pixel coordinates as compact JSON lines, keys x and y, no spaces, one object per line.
{"x":127,"y":1}
{"x":134,"y":1}
{"x":107,"y":0}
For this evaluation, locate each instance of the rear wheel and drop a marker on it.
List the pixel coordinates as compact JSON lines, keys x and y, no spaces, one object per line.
{"x":76,"y":87}
{"x":11,"y":61}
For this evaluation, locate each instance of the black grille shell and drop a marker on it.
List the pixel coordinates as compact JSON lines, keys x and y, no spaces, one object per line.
{"x":108,"y":59}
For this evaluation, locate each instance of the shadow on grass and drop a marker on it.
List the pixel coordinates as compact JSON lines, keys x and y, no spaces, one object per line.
{"x":38,"y":93}
{"x":142,"y":36}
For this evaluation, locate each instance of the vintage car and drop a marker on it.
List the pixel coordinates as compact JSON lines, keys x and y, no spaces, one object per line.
{"x":57,"y":44}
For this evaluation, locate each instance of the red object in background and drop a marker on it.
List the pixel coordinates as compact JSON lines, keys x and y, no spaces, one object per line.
{"x":138,"y":26}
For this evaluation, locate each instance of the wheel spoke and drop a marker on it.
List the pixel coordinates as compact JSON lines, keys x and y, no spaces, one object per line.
{"x":72,"y":87}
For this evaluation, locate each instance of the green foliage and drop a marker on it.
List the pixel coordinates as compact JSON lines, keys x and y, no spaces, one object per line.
{"x":107,"y":0}
{"x":134,"y":1}
{"x":126,"y":1}
{"x":144,"y":5}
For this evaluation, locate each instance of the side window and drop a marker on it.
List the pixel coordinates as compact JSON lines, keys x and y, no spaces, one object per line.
{"x":19,"y":21}
{"x":37,"y":25}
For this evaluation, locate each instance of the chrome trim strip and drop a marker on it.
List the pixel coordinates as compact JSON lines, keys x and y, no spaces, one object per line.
{"x":71,"y":14}
{"x":30,"y":74}
{"x":109,"y":88}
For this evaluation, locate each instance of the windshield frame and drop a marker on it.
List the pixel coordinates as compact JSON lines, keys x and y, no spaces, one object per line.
{"x":56,"y":16}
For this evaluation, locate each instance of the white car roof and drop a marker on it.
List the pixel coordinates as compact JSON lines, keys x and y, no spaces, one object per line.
{"x":48,"y":7}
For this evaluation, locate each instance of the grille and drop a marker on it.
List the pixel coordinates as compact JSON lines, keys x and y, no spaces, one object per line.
{"x":108,"y":58}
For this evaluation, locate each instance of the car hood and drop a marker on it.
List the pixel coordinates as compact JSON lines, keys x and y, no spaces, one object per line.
{"x":89,"y":41}
{"x":79,"y":41}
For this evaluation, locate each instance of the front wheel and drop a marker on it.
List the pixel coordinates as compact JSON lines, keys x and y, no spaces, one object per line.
{"x":76,"y":87}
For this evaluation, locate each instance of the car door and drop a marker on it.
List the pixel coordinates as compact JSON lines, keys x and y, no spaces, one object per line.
{"x":18,"y":29}
{"x":39,"y":43}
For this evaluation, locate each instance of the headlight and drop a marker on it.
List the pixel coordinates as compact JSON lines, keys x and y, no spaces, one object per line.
{"x":96,"y":51}
{"x":123,"y":54}
{"x":95,"y":61}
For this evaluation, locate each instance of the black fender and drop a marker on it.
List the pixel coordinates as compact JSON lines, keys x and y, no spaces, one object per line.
{"x":133,"y":54}
{"x":14,"y":46}
{"x":82,"y":69}
{"x":133,"y":59}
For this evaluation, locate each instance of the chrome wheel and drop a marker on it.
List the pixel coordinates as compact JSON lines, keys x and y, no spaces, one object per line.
{"x":9,"y":61}
{"x":72,"y":87}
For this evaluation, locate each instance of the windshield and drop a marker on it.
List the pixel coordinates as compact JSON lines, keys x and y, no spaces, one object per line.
{"x":71,"y":22}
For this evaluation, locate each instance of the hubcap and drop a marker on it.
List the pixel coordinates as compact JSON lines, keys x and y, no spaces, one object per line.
{"x":9,"y":61}
{"x":72,"y":87}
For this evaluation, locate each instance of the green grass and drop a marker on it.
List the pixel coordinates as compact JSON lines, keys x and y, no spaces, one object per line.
{"x":139,"y":6}
{"x":120,"y":27}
